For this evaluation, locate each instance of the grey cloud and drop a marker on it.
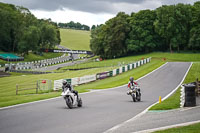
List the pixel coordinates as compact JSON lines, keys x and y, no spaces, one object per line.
{"x":171,"y":2}
{"x":92,"y":6}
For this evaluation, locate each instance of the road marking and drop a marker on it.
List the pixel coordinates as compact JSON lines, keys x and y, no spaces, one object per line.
{"x":143,"y":112}
{"x":167,"y":127}
{"x":81,"y":93}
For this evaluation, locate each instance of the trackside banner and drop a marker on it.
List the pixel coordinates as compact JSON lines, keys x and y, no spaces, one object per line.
{"x":67,"y":51}
{"x":103,"y":75}
{"x":82,"y":80}
{"x":74,"y":81}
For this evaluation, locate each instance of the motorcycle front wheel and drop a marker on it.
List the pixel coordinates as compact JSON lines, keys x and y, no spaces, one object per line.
{"x":134,"y":98}
{"x":69,"y":102}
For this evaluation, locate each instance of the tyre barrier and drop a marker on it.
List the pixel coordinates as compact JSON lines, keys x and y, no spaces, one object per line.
{"x":190,"y":97}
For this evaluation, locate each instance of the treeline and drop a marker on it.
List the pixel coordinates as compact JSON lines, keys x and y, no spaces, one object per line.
{"x":171,"y":28}
{"x":73,"y":25}
{"x":21,"y":31}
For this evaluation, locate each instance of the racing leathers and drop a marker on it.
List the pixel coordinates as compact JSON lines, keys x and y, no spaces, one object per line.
{"x":132,"y":85}
{"x":71,"y":89}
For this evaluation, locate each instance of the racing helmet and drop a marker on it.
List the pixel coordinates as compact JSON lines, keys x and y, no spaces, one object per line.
{"x":131,"y":79}
{"x":64,"y":82}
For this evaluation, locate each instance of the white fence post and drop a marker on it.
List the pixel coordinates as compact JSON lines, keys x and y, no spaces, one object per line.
{"x":182,"y":97}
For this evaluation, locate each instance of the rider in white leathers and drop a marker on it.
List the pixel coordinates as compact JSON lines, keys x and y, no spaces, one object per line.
{"x":66,"y":85}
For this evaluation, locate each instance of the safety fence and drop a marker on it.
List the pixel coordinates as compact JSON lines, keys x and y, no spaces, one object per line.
{"x":30,"y":72}
{"x":103,"y":75}
{"x":41,"y":86}
{"x":38,"y":64}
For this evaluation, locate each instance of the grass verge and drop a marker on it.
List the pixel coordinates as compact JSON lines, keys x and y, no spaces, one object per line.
{"x":195,"y":128}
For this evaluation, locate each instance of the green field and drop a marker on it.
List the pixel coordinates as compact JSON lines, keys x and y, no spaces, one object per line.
{"x":75,"y":39}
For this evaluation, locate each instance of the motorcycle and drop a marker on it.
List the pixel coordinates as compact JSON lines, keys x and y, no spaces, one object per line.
{"x":71,"y":98}
{"x":134,"y":92}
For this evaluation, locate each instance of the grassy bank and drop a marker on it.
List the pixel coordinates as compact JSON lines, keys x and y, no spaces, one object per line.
{"x":75,"y":39}
{"x":173,"y":101}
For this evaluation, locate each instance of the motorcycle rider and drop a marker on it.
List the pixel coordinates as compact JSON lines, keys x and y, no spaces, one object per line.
{"x":132,"y":84}
{"x":66,"y":85}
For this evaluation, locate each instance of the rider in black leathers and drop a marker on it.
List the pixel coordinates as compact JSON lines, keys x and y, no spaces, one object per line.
{"x":66,"y":85}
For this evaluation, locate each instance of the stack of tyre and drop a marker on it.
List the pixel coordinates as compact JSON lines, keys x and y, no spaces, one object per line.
{"x":190,"y":97}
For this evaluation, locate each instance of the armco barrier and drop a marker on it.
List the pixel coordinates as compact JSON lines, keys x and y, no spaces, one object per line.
{"x":89,"y":78}
{"x":102,"y":75}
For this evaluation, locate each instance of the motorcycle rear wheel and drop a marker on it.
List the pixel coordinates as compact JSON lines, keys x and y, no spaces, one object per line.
{"x":139,"y":97}
{"x":80,"y":102}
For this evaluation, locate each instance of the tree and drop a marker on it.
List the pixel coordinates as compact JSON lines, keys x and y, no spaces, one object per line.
{"x":182,"y":18}
{"x":18,"y":24}
{"x":6,"y":26}
{"x":29,"y":40}
{"x":194,"y":42}
{"x":93,"y":27}
{"x":97,"y":40}
{"x":111,"y":37}
{"x":165,"y":24}
{"x":142,"y":37}
{"x":49,"y":37}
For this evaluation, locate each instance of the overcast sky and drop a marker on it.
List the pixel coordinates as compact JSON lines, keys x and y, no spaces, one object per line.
{"x":88,"y":12}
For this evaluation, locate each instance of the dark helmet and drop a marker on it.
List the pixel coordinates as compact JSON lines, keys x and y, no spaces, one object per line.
{"x":131,"y":79}
{"x":64,"y":82}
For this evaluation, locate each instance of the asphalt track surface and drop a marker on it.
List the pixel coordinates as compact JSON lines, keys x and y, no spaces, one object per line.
{"x":152,"y":121}
{"x":101,"y":110}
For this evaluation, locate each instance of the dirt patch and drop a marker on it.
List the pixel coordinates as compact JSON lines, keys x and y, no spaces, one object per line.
{"x":4,"y":74}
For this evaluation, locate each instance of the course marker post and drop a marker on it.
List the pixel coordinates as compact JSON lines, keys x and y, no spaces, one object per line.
{"x":160,"y":99}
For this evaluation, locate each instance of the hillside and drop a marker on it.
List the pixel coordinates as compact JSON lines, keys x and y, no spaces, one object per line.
{"x":75,"y":39}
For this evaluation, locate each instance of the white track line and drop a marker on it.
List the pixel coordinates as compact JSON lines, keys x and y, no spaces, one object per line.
{"x":167,"y":127}
{"x":80,"y":93}
{"x":143,"y":112}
